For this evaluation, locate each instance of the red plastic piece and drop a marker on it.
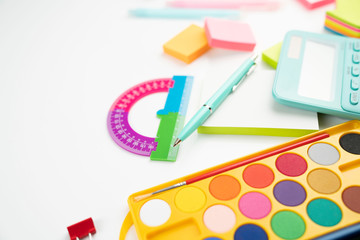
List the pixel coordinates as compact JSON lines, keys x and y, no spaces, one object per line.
{"x":81,"y":229}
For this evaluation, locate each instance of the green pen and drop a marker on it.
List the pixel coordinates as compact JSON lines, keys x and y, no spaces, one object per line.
{"x":219,"y":96}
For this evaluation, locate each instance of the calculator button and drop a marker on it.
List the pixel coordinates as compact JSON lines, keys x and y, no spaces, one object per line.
{"x":354,"y":84}
{"x":354,"y":98}
{"x":356,"y":46}
{"x":355,"y":71}
{"x":356,"y":58}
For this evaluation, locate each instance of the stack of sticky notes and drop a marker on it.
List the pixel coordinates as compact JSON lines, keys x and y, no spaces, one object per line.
{"x":188,"y":44}
{"x":345,"y":19}
{"x":192,"y":42}
{"x":229,"y":34}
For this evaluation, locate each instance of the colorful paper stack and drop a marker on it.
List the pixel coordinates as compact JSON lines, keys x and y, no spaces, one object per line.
{"x":345,"y":19}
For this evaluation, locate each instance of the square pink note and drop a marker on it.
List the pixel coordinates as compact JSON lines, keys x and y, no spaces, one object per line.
{"x":229,"y":34}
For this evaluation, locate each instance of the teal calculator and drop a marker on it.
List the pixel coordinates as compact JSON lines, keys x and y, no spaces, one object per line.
{"x":319,"y":72}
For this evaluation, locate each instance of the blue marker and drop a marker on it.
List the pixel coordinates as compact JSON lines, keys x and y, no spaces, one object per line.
{"x":183,"y":13}
{"x":220,"y":95}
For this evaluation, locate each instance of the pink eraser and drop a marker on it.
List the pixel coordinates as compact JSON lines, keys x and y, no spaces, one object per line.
{"x":229,"y":34}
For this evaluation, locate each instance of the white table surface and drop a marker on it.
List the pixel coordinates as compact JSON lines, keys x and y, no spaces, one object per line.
{"x":62,"y":64}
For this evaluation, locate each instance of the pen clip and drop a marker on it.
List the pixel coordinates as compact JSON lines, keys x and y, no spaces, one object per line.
{"x":251,"y":69}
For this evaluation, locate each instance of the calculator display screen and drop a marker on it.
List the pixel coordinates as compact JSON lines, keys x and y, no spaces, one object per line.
{"x":317,"y":76}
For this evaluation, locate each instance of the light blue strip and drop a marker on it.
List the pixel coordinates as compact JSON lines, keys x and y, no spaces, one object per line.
{"x":183,"y":13}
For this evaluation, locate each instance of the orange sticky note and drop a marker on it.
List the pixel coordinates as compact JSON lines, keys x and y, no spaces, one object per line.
{"x":188,"y":45}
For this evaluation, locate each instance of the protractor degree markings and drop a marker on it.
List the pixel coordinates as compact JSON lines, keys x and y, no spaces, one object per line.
{"x":134,"y":94}
{"x":127,"y":138}
{"x":118,"y":124}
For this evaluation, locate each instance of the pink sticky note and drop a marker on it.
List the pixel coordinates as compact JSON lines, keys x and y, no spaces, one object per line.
{"x":311,"y":4}
{"x":229,"y":34}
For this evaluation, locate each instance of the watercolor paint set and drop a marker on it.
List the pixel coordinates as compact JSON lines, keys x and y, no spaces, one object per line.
{"x":303,"y":189}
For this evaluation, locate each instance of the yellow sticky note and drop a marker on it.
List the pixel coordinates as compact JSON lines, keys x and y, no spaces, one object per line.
{"x":347,"y":11}
{"x":188,"y":44}
{"x":271,"y":55}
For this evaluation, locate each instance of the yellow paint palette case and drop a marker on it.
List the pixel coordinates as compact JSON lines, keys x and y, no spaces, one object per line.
{"x":303,"y":189}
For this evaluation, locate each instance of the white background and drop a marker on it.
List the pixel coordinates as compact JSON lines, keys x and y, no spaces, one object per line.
{"x":62,"y":64}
